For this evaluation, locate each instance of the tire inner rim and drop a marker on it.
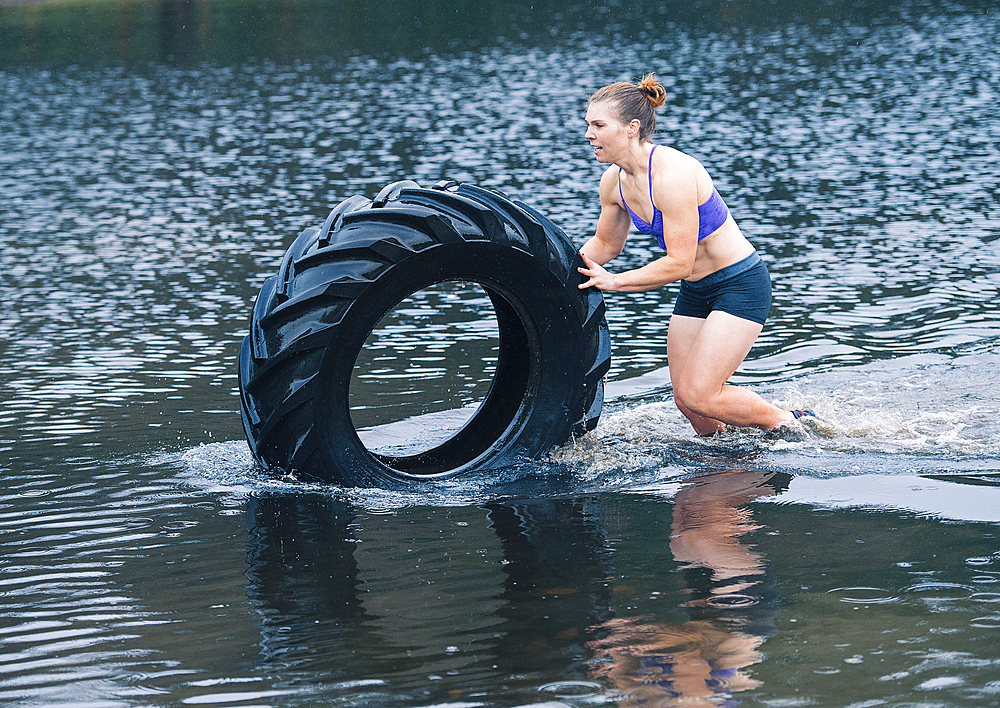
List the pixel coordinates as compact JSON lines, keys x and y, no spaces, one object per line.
{"x":425,"y":369}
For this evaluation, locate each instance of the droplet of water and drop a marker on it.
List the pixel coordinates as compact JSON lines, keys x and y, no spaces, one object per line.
{"x":572,"y":689}
{"x":732,"y":601}
{"x":940,"y":591}
{"x":864,"y":595}
{"x":988,"y":622}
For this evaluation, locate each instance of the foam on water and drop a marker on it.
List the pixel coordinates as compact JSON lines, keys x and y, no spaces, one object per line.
{"x":921,"y":405}
{"x":903,"y":419}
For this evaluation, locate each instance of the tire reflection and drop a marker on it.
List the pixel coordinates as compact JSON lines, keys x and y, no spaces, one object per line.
{"x":526,"y":590}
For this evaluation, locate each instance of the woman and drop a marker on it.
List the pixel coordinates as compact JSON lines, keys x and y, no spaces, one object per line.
{"x":725,"y":290}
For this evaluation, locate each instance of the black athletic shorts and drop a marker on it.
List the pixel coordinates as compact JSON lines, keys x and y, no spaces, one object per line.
{"x":742,"y":289}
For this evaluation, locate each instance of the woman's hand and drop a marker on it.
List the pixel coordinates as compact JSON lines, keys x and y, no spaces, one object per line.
{"x":597,"y":276}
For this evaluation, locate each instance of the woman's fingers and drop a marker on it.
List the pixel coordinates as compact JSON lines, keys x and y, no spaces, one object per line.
{"x":593,"y":271}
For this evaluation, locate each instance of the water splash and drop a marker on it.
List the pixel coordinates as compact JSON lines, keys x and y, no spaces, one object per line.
{"x":915,"y":415}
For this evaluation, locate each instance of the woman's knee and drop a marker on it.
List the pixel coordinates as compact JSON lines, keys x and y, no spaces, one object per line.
{"x":703,"y":425}
{"x":690,"y":397}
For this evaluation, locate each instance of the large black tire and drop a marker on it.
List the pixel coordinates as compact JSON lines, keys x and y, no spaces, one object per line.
{"x":335,"y":284}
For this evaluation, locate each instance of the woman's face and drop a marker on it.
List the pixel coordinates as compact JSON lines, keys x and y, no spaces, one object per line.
{"x":606,"y":133}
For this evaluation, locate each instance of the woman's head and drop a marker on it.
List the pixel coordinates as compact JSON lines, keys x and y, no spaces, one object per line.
{"x":637,"y":101}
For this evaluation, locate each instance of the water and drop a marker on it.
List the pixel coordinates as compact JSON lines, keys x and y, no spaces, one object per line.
{"x":156,"y":160}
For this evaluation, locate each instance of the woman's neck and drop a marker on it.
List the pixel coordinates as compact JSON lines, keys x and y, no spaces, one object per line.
{"x":636,"y":162}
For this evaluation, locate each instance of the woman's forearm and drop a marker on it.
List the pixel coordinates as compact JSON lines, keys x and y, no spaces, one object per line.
{"x":599,"y":251}
{"x":660,"y":272}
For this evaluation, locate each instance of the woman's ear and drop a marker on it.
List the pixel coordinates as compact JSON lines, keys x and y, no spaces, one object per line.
{"x":634,"y":127}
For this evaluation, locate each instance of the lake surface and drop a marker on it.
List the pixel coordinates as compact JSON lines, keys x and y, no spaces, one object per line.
{"x":156,"y":159}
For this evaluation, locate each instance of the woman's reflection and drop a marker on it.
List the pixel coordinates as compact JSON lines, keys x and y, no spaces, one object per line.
{"x":702,"y":661}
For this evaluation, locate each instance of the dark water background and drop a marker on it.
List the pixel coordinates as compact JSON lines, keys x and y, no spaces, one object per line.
{"x":157,"y":158}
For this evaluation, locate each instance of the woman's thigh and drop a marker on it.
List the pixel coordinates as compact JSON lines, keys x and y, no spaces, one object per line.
{"x":704,"y":353}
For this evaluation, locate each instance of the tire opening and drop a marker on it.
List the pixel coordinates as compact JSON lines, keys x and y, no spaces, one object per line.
{"x":424,"y":370}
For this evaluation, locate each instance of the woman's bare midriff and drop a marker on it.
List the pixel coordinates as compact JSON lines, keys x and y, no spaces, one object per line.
{"x":726,"y":246}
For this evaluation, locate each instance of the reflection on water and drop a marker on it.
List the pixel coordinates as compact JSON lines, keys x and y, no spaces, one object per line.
{"x":152,"y":585}
{"x":225,"y":31}
{"x":157,"y":157}
{"x":661,"y":598}
{"x":455,"y":594}
{"x":731,"y":606}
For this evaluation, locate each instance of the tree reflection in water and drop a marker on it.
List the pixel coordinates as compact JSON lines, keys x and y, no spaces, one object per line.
{"x":731,"y":608}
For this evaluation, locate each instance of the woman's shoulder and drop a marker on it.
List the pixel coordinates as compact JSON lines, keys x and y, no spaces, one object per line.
{"x":672,"y":160}
{"x":609,"y":180}
{"x":678,"y":179}
{"x":610,"y":173}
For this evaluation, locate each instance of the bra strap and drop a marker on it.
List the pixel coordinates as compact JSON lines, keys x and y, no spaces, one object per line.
{"x":650,"y":170}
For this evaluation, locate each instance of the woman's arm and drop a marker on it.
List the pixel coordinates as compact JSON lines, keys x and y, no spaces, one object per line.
{"x":612,"y":225}
{"x":676,"y":196}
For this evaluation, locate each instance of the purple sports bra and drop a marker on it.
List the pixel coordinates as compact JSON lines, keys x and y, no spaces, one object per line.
{"x":711,"y":215}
